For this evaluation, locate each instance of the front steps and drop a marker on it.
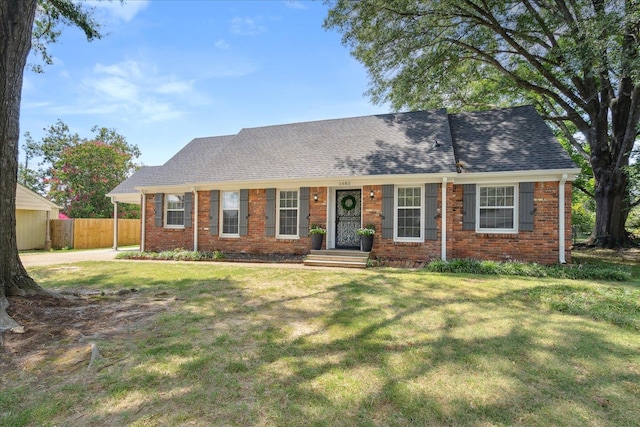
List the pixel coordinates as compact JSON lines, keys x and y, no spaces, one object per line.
{"x":337,"y":258}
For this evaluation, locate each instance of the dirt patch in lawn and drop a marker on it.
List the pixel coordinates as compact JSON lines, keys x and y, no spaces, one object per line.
{"x":69,"y":328}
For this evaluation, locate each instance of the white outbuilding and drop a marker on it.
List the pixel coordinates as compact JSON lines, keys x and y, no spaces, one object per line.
{"x":33,"y":216}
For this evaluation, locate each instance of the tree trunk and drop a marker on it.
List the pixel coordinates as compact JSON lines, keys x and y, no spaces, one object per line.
{"x":612,"y":209}
{"x":16,"y":26}
{"x":610,"y":152}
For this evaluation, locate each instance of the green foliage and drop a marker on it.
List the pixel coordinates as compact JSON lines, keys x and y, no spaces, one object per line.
{"x":178,"y":254}
{"x":77,"y":173}
{"x":512,"y":268}
{"x":51,"y":16}
{"x":317,"y":229}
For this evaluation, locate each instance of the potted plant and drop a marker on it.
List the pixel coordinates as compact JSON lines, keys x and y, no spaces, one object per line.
{"x":317,"y":234}
{"x":366,"y":237}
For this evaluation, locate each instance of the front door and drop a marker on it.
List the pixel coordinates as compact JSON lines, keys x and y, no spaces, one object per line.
{"x":348,"y":218}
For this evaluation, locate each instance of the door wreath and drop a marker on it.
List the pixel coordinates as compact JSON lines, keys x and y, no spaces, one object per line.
{"x":348,"y":202}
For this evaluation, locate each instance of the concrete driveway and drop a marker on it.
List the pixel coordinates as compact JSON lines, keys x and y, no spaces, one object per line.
{"x":63,"y":257}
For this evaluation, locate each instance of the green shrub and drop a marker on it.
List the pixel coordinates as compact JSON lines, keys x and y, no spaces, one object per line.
{"x":513,"y":268}
{"x":178,"y":254}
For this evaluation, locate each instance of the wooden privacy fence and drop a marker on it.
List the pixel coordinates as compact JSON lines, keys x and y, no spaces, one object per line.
{"x":92,"y":233}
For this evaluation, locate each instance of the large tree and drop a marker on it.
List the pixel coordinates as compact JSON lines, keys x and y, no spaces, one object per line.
{"x":77,"y":173}
{"x":576,"y":60}
{"x":22,"y":21}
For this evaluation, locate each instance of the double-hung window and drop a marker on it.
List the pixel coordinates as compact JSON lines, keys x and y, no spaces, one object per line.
{"x":288,"y":213}
{"x":174,"y":210}
{"x":409,"y":213}
{"x":230,"y":213}
{"x":496,"y":209}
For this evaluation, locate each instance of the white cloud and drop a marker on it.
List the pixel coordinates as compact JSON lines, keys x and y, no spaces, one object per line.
{"x":175,"y":88}
{"x":247,"y":26}
{"x":295,"y":4}
{"x":134,"y":91}
{"x":126,"y":69}
{"x":124,"y":11}
{"x":221,"y":44}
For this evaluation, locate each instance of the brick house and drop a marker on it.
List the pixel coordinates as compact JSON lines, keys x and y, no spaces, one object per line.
{"x":486,"y":185}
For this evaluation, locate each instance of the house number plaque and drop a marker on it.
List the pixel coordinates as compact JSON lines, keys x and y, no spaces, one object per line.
{"x":344,"y":183}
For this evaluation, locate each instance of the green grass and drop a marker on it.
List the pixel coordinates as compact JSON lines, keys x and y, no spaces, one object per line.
{"x":379,"y":347}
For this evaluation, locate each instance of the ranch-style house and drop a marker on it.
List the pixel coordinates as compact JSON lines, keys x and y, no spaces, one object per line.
{"x":486,"y":185}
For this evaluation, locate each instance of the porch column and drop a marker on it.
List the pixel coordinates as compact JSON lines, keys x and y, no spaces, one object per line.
{"x":561,"y":224}
{"x":115,"y":225}
{"x":443,"y":222}
{"x":143,"y":228}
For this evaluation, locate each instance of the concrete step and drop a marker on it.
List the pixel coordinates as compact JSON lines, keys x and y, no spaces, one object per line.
{"x":344,"y":264}
{"x":337,"y":258}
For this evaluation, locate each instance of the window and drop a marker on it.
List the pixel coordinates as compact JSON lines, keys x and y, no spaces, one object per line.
{"x":230,"y":213}
{"x":175,"y":210}
{"x":497,"y":208}
{"x":409,"y":213}
{"x":288,"y":213}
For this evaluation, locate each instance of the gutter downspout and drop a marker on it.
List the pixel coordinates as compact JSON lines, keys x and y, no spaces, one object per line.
{"x":561,"y":224}
{"x":143,"y":231}
{"x":195,"y":220}
{"x":443,"y":232}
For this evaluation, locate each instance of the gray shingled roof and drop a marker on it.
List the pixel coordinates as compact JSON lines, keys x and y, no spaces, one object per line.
{"x":390,"y":144}
{"x":144,"y":176}
{"x":511,"y":139}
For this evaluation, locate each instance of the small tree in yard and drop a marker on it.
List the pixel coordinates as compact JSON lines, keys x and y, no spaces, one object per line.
{"x":77,"y":173}
{"x":23,"y":23}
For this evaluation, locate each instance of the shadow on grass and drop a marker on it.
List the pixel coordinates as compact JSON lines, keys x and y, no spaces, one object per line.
{"x":378,"y":348}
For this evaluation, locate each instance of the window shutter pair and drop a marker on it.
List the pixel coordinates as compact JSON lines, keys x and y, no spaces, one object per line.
{"x":526,"y":208}
{"x":303,"y":213}
{"x":158,"y":200}
{"x":214,"y":213}
{"x":430,"y":209}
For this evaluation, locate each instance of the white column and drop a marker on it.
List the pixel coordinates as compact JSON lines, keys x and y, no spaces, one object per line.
{"x":115,"y":225}
{"x":443,"y":226}
{"x":561,"y":224}
{"x":143,"y":215}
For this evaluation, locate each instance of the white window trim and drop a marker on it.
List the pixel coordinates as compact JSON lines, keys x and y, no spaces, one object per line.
{"x":395,"y":214}
{"x":221,"y":213}
{"x":287,"y":236}
{"x":513,"y":230}
{"x":166,"y":210}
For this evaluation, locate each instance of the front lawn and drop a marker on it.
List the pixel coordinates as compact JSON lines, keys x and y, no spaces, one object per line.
{"x":225,"y":344}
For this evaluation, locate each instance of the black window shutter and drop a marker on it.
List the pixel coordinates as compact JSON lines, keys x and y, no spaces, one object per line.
{"x":188,"y":205}
{"x":303,"y":211}
{"x":158,"y":200}
{"x":469,"y":207}
{"x":270,"y":213}
{"x":243,"y":220}
{"x":431,"y":211}
{"x":387,"y":211}
{"x":214,"y":218}
{"x":525,"y":208}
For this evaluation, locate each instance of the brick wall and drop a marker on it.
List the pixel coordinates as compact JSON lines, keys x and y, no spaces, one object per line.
{"x":387,"y":248}
{"x":160,"y":238}
{"x":539,"y":245}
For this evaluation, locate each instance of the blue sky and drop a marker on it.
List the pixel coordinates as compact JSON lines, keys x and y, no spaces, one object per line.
{"x":169,"y":71}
